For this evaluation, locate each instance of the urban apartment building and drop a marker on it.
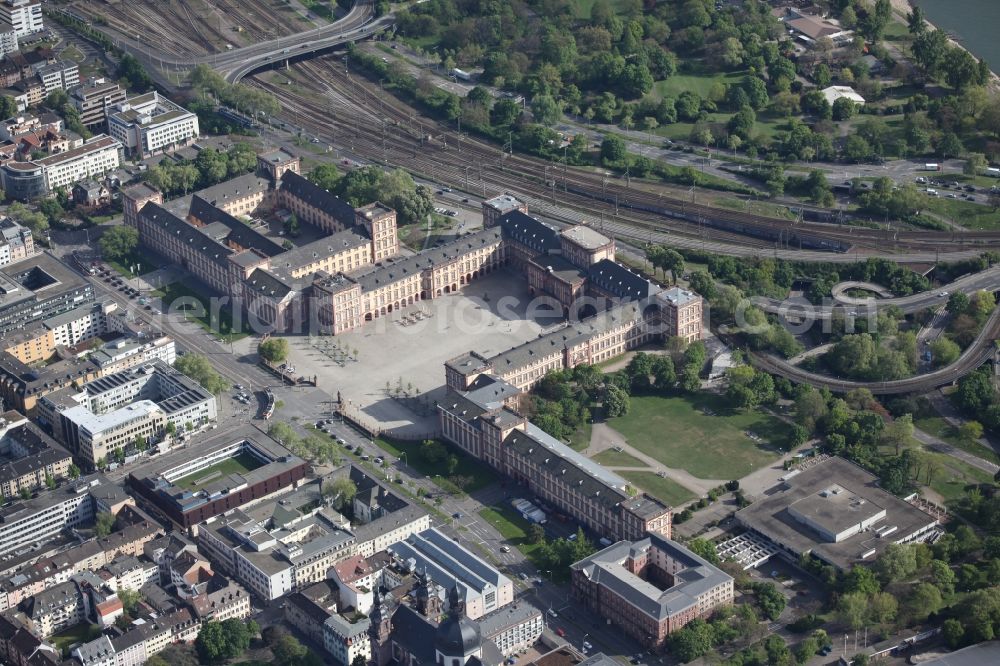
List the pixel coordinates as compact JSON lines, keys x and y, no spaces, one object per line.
{"x":24,"y":17}
{"x":28,"y":457}
{"x":94,"y":99}
{"x":34,"y":520}
{"x":16,"y":242}
{"x":650,"y":588}
{"x":109,"y":414}
{"x":281,"y":545}
{"x":38,"y":288}
{"x":150,"y":123}
{"x":39,"y":343}
{"x":381,"y":516}
{"x":98,"y":155}
{"x":188,"y":490}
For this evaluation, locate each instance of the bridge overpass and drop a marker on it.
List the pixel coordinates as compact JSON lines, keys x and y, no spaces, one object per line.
{"x":360,"y":22}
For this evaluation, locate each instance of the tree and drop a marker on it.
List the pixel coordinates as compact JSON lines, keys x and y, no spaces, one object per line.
{"x":882,"y":608}
{"x":861,"y":580}
{"x":915,"y":22}
{"x":218,"y":641}
{"x":130,"y":599}
{"x":616,"y":401}
{"x":326,"y":176}
{"x":770,"y":600}
{"x":536,"y":533}
{"x":545,"y":109}
{"x":119,"y":242}
{"x":359,"y":660}
{"x":613,"y":149}
{"x":705,"y":549}
{"x":691,"y":641}
{"x":74,"y":471}
{"x":852,"y":609}
{"x":953,"y":633}
{"x":974,"y":163}
{"x":922,"y":600}
{"x":287,"y":650}
{"x":198,"y":368}
{"x":971,"y":431}
{"x":944,"y":352}
{"x":340,"y":492}
{"x":103,"y":523}
{"x":843,"y":108}
{"x":896,"y":563}
{"x":274,"y":350}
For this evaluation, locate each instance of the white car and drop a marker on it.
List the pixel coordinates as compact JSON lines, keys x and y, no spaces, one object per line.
{"x":552,"y":613}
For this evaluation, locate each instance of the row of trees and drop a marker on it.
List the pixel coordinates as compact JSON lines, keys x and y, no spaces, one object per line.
{"x":313,"y":446}
{"x":198,"y":368}
{"x":253,"y":102}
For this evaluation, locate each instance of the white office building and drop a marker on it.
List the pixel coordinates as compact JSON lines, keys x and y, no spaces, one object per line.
{"x":148,"y":124}
{"x":97,"y":156}
{"x":23,"y":17}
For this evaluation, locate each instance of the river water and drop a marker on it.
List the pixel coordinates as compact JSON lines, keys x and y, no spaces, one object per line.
{"x":973,"y":23}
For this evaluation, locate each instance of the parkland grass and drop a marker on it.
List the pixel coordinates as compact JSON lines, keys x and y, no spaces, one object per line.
{"x":665,"y":489}
{"x":702,"y":435}
{"x":612,"y":458}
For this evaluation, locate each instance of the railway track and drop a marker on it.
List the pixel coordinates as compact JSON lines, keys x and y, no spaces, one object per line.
{"x":381,"y":121}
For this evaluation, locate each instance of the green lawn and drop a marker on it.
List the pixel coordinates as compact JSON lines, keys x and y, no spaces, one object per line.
{"x":80,"y":633}
{"x":581,"y":8}
{"x":580,"y":439}
{"x":219,"y":323}
{"x":969,"y":215}
{"x":479,"y":473}
{"x":697,"y":83}
{"x":515,"y":530}
{"x":125,"y":265}
{"x":933,"y":424}
{"x":954,"y":475}
{"x":665,"y":489}
{"x":244,"y":462}
{"x":679,"y":434}
{"x":612,"y":458}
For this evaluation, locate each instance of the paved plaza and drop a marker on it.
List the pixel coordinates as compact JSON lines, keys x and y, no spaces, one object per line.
{"x":392,"y":369}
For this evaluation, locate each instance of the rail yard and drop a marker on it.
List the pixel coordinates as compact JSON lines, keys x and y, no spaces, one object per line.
{"x":184,"y":28}
{"x":332,"y":103}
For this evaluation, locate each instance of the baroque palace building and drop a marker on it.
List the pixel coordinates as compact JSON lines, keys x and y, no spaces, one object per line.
{"x":355,"y":273}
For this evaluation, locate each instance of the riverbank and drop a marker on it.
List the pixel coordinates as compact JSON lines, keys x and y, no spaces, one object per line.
{"x":901,"y":8}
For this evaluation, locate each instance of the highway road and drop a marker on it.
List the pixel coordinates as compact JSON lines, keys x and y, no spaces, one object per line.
{"x":803,"y":310}
{"x":981,"y":350}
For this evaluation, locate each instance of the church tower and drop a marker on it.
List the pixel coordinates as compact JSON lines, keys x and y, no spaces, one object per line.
{"x":458,"y":638}
{"x":380,"y":630}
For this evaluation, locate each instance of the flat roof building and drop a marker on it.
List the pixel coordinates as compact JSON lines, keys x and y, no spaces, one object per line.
{"x":173,"y":487}
{"x":836,"y":512}
{"x":280,"y":545}
{"x":28,"y":457}
{"x":110,"y":412}
{"x":150,"y":123}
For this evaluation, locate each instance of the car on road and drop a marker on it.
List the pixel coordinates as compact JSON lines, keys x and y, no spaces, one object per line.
{"x":456,"y":516}
{"x":378,"y":460}
{"x":561,"y":631}
{"x":587,"y":645}
{"x":943,"y":294}
{"x":504,"y":549}
{"x":522,"y":576}
{"x":552,"y":613}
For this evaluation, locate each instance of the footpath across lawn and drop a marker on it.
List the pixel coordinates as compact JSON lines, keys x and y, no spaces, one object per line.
{"x":665,"y":489}
{"x":701,"y":434}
